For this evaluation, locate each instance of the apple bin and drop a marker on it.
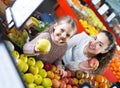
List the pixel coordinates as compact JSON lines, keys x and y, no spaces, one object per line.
{"x":38,"y":74}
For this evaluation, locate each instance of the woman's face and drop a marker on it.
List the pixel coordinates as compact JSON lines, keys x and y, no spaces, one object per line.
{"x":98,"y":44}
{"x":62,"y":33}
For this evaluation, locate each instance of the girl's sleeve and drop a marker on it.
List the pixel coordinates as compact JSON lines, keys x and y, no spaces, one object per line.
{"x":28,"y":48}
{"x":76,"y":39}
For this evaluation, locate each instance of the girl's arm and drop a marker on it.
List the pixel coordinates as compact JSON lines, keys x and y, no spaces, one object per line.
{"x":29,"y":47}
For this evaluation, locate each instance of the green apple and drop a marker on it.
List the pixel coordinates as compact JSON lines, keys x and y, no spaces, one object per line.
{"x":43,"y":73}
{"x":23,"y":57}
{"x":47,"y":82}
{"x":32,"y":85}
{"x":33,"y":69}
{"x":28,"y":77}
{"x":39,"y":64}
{"x":43,"y":45}
{"x":31,"y":61}
{"x":15,"y":54}
{"x":37,"y":79}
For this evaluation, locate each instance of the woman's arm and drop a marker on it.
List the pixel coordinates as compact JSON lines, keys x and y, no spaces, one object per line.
{"x":76,"y":39}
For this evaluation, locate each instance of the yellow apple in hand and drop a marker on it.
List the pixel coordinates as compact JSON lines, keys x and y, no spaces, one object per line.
{"x":43,"y":46}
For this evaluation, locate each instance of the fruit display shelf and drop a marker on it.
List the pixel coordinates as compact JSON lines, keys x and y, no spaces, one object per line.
{"x":39,"y":74}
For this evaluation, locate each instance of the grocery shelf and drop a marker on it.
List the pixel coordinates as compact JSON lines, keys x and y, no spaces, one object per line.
{"x":62,"y":8}
{"x":90,"y":4}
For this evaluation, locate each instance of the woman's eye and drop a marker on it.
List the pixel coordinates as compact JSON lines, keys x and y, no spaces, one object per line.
{"x":95,"y":38}
{"x":100,"y":45}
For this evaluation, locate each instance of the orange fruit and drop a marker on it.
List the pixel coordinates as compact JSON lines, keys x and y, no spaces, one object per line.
{"x":103,"y":85}
{"x":99,"y":78}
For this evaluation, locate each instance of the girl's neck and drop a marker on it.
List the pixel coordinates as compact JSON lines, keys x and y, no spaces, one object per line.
{"x":86,"y":53}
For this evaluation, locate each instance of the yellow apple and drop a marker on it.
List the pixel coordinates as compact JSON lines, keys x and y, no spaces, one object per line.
{"x":43,"y":73}
{"x":32,"y":85}
{"x":47,"y":82}
{"x":23,"y":57}
{"x":43,"y":45}
{"x":33,"y":69}
{"x":39,"y":64}
{"x":15,"y":54}
{"x":50,"y":74}
{"x":31,"y":61}
{"x":37,"y":79}
{"x":28,"y":77}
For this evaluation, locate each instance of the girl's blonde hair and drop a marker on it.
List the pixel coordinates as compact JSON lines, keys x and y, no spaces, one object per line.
{"x":69,"y":20}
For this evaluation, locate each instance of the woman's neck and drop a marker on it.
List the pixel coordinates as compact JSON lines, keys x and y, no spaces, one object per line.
{"x":86,"y":53}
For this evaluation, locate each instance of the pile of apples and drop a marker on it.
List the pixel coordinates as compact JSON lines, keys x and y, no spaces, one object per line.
{"x":38,"y":74}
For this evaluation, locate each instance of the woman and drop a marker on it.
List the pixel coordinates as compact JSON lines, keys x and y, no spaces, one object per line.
{"x":82,"y":47}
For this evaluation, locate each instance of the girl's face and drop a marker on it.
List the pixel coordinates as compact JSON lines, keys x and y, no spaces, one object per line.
{"x":62,"y":33}
{"x":98,"y":44}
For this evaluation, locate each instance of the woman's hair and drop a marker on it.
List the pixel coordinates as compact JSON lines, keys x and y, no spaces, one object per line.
{"x":106,"y":57}
{"x":69,"y":20}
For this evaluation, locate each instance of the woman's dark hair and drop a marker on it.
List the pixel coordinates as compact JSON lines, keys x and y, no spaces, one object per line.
{"x":106,"y":57}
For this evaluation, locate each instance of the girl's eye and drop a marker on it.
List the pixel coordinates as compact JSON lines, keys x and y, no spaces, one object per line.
{"x":68,"y":35}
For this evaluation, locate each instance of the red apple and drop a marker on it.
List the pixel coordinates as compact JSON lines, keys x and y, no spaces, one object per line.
{"x":79,"y":74}
{"x":69,"y":74}
{"x":65,"y":79}
{"x":72,"y":74}
{"x":62,"y":84}
{"x":47,"y":66}
{"x":71,"y":81}
{"x":55,"y":83}
{"x":50,"y":74}
{"x":93,"y":62}
{"x":76,"y":86}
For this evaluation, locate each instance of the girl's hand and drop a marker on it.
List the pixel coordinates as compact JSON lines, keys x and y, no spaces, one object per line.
{"x":61,"y":71}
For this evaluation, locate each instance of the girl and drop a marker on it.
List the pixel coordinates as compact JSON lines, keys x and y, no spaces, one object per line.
{"x":82,"y":47}
{"x":58,"y":34}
